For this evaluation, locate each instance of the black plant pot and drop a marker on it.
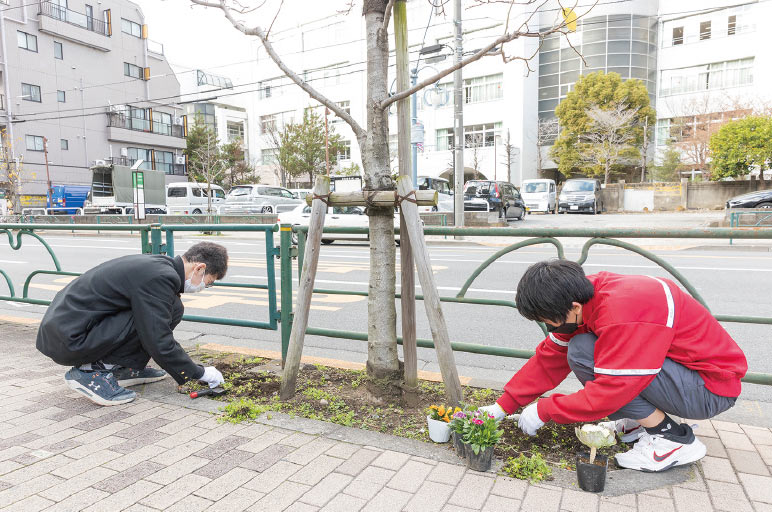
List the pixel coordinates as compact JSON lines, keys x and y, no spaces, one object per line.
{"x":480,"y":461}
{"x":592,"y":477}
{"x":459,"y":445}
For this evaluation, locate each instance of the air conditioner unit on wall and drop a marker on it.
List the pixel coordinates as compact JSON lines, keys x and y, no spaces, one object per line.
{"x":100,"y":163}
{"x":124,"y":151}
{"x":180,"y":160}
{"x":178,"y":121}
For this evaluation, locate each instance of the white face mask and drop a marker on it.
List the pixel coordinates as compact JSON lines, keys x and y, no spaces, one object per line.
{"x":191,"y":288}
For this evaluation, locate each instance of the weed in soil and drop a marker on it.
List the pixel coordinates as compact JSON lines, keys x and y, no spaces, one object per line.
{"x":533,"y":468}
{"x":350,"y":398}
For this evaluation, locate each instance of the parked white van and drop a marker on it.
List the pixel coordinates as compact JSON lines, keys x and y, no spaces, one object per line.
{"x":189,"y":198}
{"x":539,"y":195}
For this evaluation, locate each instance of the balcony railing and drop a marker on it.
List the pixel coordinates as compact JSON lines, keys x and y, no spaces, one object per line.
{"x":168,"y":168}
{"x":119,"y":120}
{"x":78,"y":19}
{"x":155,"y":47}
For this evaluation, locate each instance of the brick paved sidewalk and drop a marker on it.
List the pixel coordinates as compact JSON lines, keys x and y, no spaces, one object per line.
{"x":58,"y":451}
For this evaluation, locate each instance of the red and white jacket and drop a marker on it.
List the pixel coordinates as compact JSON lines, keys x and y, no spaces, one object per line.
{"x":639,"y":321}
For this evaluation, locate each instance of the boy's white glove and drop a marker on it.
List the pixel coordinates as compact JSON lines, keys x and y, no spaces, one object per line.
{"x":212,"y":376}
{"x":530,"y":421}
{"x":494,"y":410}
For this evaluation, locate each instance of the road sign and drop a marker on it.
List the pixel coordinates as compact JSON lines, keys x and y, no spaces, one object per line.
{"x":138,"y":182}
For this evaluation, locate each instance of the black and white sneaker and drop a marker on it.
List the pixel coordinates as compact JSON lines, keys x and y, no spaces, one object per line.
{"x":99,"y":386}
{"x":654,"y":453}
{"x":131,"y":376}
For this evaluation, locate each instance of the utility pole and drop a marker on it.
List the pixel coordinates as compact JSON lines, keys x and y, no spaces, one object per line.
{"x":404,"y":143}
{"x":458,"y":124}
{"x":413,"y":120}
{"x":48,"y":175}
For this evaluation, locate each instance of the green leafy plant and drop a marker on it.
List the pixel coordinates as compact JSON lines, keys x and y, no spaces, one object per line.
{"x":533,"y":468}
{"x":595,"y":436}
{"x":459,"y":420}
{"x":242,"y":410}
{"x":481,"y":431}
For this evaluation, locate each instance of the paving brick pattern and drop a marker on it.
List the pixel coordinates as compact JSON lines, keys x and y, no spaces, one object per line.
{"x":60,"y":452}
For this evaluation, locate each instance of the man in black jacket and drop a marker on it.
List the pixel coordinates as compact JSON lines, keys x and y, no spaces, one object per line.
{"x":111,"y":320}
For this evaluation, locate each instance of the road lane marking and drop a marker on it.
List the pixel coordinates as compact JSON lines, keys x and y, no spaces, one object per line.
{"x":19,"y":320}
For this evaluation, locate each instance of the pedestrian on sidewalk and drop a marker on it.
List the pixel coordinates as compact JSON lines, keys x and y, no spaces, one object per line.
{"x":643,"y":350}
{"x":111,"y":320}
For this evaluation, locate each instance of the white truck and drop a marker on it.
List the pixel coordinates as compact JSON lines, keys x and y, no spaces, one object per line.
{"x":112,"y":191}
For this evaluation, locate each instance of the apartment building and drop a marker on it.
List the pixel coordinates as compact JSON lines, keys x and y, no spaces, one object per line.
{"x":84,"y":77}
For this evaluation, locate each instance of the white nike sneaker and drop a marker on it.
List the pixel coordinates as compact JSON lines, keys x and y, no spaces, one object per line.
{"x":629,"y":431}
{"x":654,"y":453}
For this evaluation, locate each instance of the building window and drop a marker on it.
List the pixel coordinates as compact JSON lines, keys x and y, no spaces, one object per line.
{"x":204,"y":113}
{"x":133,"y":71}
{"x":203,"y":78}
{"x":30,"y":92}
{"x":35,"y":143}
{"x":704,"y":30}
{"x":269,"y":156}
{"x":131,"y":28}
{"x":345,"y":152}
{"x":483,"y":88}
{"x":58,"y":51}
{"x":444,"y":139}
{"x":65,"y":144}
{"x":27,"y":41}
{"x":718,"y":75}
{"x":268,"y":123}
{"x":678,"y":35}
{"x":346,"y":106}
{"x":481,"y":135}
{"x":235,"y":131}
{"x":61,"y":96}
{"x":136,"y":154}
{"x":731,"y":26}
{"x":164,"y":161}
{"x":264,"y":90}
{"x":162,"y":123}
{"x":90,"y":17}
{"x":139,"y":119}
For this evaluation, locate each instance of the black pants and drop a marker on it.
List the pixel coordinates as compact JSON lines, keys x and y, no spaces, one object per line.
{"x":127,"y":350}
{"x":676,"y":389}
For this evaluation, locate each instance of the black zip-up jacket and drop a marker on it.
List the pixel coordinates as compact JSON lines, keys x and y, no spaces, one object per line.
{"x":148,"y":287}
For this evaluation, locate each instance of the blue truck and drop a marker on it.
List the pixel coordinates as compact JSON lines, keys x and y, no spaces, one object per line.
{"x":66,"y":199}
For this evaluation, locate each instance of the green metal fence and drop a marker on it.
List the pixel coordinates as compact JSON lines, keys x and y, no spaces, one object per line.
{"x":160,"y":239}
{"x":536,"y":236}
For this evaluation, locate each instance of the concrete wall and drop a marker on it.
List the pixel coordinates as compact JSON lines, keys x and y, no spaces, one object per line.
{"x":673,"y":196}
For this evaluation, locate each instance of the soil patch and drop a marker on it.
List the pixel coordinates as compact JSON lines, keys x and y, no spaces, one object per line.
{"x":350,"y":398}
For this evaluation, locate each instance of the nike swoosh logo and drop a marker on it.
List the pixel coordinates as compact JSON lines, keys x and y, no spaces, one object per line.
{"x":625,"y":431}
{"x":660,"y":458}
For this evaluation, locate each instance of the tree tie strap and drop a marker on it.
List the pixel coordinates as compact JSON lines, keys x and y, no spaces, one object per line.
{"x":398,"y":198}
{"x":369,"y":195}
{"x":325,"y":198}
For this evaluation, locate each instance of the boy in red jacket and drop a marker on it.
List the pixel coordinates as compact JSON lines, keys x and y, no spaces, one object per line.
{"x":642,"y":349}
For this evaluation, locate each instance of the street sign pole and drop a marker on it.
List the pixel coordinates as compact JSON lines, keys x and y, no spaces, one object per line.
{"x":138,"y":182}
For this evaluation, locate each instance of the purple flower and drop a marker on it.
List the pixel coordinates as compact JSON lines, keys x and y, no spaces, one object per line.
{"x":459,"y":415}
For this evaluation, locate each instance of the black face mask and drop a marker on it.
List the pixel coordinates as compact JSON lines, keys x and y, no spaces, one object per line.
{"x":564,"y":328}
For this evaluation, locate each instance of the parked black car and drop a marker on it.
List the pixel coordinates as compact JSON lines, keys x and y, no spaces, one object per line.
{"x":581,"y":195}
{"x":494,"y":196}
{"x":758,"y":199}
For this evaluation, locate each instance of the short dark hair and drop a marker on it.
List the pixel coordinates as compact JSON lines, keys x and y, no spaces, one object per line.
{"x":214,"y":255}
{"x":549,"y":288}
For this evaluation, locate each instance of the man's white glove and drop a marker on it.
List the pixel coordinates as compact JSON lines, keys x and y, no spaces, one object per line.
{"x":494,"y":410}
{"x":212,"y":376}
{"x":529,"y":421}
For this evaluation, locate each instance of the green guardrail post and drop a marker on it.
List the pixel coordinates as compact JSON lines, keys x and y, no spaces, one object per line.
{"x":98,"y":222}
{"x":285,"y":240}
{"x":170,"y":242}
{"x":156,"y":247}
{"x":271,"y":252}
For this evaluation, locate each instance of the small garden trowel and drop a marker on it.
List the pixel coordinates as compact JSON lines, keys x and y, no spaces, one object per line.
{"x":208,"y":392}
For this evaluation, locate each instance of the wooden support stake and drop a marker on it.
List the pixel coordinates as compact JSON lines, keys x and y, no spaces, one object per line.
{"x":382,"y":198}
{"x":407,"y":277}
{"x":431,"y":297}
{"x":305,"y":289}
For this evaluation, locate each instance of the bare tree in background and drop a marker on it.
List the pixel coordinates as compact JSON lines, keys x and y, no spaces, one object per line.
{"x":208,"y":164}
{"x":608,"y":140}
{"x":546,"y":132}
{"x":373,"y":140}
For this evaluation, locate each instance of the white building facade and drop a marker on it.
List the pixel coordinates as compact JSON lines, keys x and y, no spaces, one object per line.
{"x":718,"y":50}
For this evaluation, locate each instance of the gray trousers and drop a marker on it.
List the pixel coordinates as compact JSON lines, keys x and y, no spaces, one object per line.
{"x":676,"y":390}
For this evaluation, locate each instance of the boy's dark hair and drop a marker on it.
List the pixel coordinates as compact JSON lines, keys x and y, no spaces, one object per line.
{"x":214,"y":255}
{"x":548,"y":288}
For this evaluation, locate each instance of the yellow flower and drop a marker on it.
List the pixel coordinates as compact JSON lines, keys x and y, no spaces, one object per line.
{"x":441,"y":410}
{"x":446,"y":419}
{"x":457,"y":409}
{"x":433,"y":407}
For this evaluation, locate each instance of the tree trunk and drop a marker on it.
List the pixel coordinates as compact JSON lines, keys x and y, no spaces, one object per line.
{"x":382,"y":358}
{"x":607,"y":172}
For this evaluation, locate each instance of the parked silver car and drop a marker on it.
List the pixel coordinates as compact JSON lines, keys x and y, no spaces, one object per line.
{"x":246,"y":199}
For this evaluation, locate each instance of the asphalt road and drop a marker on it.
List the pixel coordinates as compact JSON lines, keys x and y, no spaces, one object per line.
{"x":733,"y":280}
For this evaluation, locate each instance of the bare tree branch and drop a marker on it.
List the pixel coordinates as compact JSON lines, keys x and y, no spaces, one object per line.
{"x":387,"y":15}
{"x":268,"y":32}
{"x":347,"y":10}
{"x":359,"y":132}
